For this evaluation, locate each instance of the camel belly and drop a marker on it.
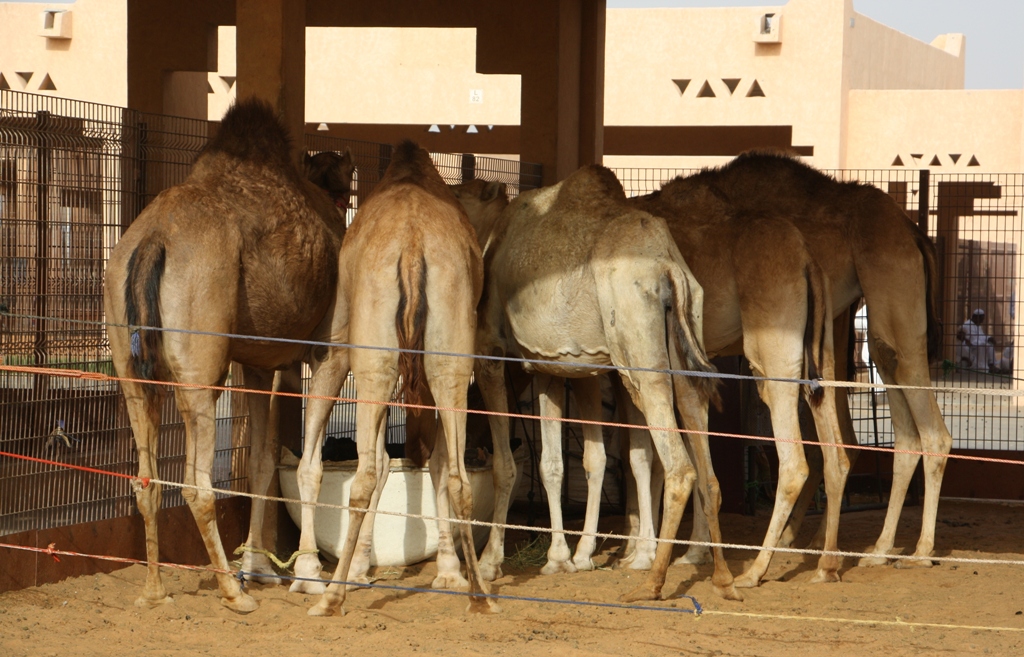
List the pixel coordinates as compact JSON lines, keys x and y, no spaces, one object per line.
{"x":560,"y":327}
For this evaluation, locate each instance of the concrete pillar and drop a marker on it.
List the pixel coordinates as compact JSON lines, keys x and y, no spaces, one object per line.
{"x":558,"y":49}
{"x":271,"y":58}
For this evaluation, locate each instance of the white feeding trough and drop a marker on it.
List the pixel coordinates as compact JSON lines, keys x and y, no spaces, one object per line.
{"x":397,"y":540}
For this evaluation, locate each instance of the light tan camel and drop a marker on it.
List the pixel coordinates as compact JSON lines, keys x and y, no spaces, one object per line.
{"x":578,"y":280}
{"x":867,"y":247}
{"x":484,"y":202}
{"x":410,"y":277}
{"x":245,"y":246}
{"x":766,"y":298}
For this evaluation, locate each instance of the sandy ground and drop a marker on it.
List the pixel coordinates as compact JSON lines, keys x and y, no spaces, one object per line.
{"x":95,"y":615}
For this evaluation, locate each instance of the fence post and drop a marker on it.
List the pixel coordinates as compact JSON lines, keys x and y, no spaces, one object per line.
{"x":923,"y":198}
{"x":42,"y":232}
{"x":468,"y":167}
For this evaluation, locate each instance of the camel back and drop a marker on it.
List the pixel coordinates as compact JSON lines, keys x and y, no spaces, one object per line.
{"x":756,"y":178}
{"x":411,"y":165}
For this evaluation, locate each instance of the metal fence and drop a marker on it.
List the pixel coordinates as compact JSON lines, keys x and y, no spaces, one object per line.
{"x":976,"y":223}
{"x":73,"y":177}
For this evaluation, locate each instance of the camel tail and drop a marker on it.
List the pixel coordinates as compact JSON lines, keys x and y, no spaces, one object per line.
{"x":689,"y":338}
{"x":410,"y":324}
{"x":931,"y":284}
{"x":818,"y":322}
{"x":142,"y":308}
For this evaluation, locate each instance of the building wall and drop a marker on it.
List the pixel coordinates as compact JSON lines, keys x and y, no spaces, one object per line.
{"x":419,"y":76}
{"x":985,"y":125}
{"x":89,"y":66}
{"x":857,"y":91}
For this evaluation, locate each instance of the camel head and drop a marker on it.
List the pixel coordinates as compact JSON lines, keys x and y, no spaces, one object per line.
{"x":483,"y":202}
{"x":332,"y":173}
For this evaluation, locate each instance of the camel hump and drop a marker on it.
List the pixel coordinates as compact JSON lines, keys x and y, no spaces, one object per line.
{"x":251,"y":131}
{"x":592,"y":183}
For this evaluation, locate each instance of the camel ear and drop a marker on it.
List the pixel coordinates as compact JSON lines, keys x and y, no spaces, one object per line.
{"x":492,"y":190}
{"x":346,"y":158}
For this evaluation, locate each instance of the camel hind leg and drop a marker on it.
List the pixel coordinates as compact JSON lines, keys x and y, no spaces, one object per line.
{"x":897,"y":337}
{"x":264,"y":442}
{"x":588,"y":398}
{"x":552,"y":470}
{"x":198,"y":408}
{"x":376,"y":374}
{"x":451,"y":328}
{"x":144,"y":414}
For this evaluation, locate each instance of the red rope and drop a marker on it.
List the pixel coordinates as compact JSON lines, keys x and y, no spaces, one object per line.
{"x":143,"y":480}
{"x":97,"y":376}
{"x":52,"y":550}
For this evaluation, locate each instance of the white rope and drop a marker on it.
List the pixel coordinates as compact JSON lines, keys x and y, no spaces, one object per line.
{"x":570,"y":532}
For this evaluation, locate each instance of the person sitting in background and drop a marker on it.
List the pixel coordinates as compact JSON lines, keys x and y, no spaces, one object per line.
{"x":976,"y":350}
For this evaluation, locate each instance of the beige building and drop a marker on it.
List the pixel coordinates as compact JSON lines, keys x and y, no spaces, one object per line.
{"x":846,"y":91}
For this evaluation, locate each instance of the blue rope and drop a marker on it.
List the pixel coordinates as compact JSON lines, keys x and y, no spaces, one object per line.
{"x":696,"y":611}
{"x":314,"y":343}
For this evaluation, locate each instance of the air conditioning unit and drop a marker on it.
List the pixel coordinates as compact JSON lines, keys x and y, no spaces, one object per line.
{"x":56,"y":24}
{"x":769,"y":28}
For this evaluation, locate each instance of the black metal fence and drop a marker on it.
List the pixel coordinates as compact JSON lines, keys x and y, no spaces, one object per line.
{"x":976,"y":222}
{"x":73,"y":177}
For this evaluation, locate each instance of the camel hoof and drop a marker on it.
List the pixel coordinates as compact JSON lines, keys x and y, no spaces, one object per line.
{"x":642,"y":592}
{"x":747,"y":581}
{"x":636,"y":561}
{"x":310,"y":587}
{"x":823,"y":576}
{"x":323,"y":609}
{"x":728,"y":592}
{"x":553,"y":567}
{"x":307,"y":567}
{"x":358,"y":582}
{"x":490,"y":572}
{"x":449,"y":582}
{"x":868,"y":562}
{"x":584,"y":564}
{"x":482,"y":606}
{"x":694,"y":557}
{"x":153,"y":603}
{"x":919,"y":562}
{"x":257,"y":568}
{"x":243,"y":604}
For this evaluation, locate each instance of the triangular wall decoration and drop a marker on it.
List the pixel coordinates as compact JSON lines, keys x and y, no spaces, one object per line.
{"x":935,"y":162}
{"x":3,"y":82}
{"x":682,"y":85}
{"x":955,"y":157}
{"x":974,"y":162}
{"x":228,"y":80}
{"x":917,"y":156}
{"x":755,"y":90}
{"x":732,"y":83}
{"x":898,"y":162}
{"x":25,"y":76}
{"x":47,"y":84}
{"x":706,"y":91}
{"x":209,"y":87}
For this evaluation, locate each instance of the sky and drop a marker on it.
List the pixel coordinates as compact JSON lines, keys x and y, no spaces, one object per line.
{"x":995,"y":46}
{"x":993,"y":29}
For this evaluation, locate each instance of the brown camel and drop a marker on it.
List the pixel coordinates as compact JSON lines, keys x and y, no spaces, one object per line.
{"x":867,"y":247}
{"x":578,"y":280}
{"x":333,"y":173}
{"x":764,"y":297}
{"x":245,"y":246}
{"x":410,"y":277}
